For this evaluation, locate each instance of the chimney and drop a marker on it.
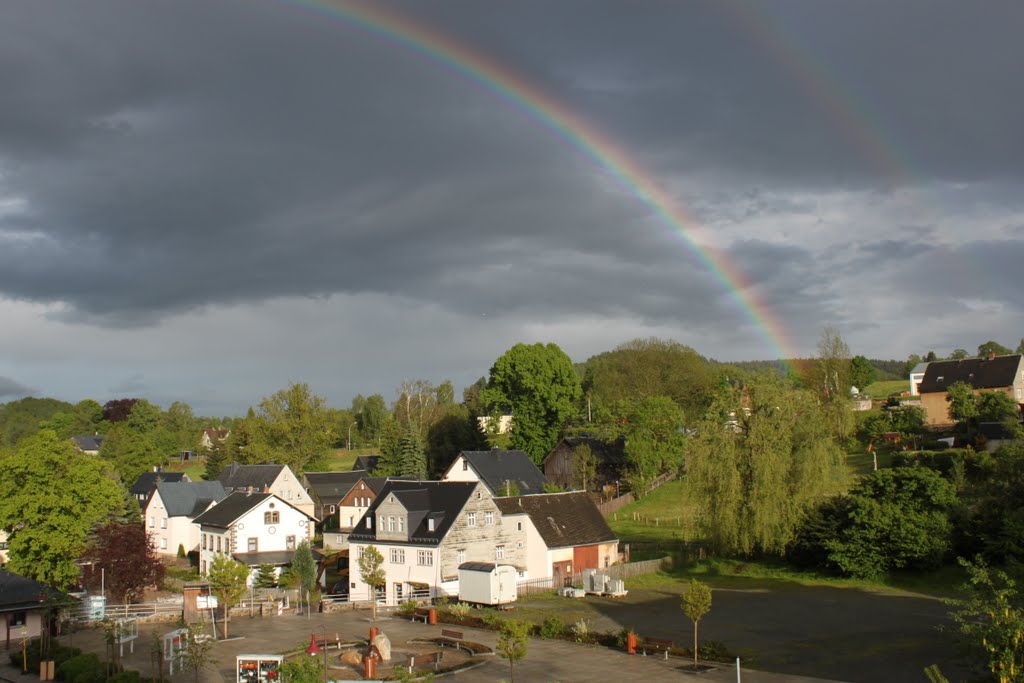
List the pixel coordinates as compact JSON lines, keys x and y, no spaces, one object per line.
{"x":991,"y":355}
{"x":248,"y":490}
{"x":266,"y":489}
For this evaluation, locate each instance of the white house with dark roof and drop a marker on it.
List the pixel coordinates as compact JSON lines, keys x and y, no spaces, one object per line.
{"x":565,"y":533}
{"x":916,"y":377}
{"x":495,"y":468}
{"x":425,"y":530}
{"x":254,"y":528}
{"x":272,"y":478}
{"x":170,"y":511}
{"x":88,"y":443}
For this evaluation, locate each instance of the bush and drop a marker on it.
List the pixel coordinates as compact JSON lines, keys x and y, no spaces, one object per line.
{"x":622,"y":636}
{"x":181,"y":551}
{"x":553,"y":627}
{"x":580,"y":631}
{"x":126,"y":677}
{"x":60,"y":654}
{"x":459,"y":610}
{"x":407,"y":608}
{"x":490,"y":618}
{"x":83,"y":668}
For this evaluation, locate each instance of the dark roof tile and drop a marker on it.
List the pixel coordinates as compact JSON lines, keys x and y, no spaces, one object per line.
{"x":495,"y":467}
{"x":980,"y":373}
{"x":562,"y":519}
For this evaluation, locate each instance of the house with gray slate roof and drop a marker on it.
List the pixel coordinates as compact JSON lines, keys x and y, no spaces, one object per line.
{"x":22,"y":608}
{"x":497,"y":468}
{"x":143,"y":486}
{"x":270,"y":477}
{"x":254,"y":529}
{"x":171,"y":508}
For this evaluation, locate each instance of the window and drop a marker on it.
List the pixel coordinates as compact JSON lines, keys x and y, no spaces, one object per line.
{"x":19,"y":619}
{"x":391,"y":523}
{"x":519,"y":544}
{"x":163,"y":544}
{"x":397,"y":556}
{"x":499,"y":552}
{"x":272,"y":517}
{"x":204,"y":567}
{"x":489,"y":519}
{"x":218,"y":543}
{"x":460,"y":556}
{"x":351,"y":520}
{"x":359,"y":553}
{"x":465,"y":465}
{"x":204,"y":541}
{"x":401,"y":523}
{"x":152,"y":521}
{"x":333,"y":510}
{"x":519,"y":526}
{"x":253,"y":544}
{"x":163,"y":522}
{"x":424,"y":558}
{"x":470,"y":519}
{"x":289,"y":543}
{"x":381,"y":524}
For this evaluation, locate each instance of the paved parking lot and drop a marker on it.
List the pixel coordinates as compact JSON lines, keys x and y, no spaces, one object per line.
{"x":546,"y":660}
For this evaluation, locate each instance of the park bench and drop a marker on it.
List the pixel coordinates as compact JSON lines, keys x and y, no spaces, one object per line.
{"x":327,"y":641}
{"x":452,"y":637}
{"x":421,"y":613}
{"x":656,"y":645}
{"x":423,"y":660}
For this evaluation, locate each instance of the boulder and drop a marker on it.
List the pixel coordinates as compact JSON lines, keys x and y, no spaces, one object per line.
{"x":383,"y":646}
{"x":352,"y":658}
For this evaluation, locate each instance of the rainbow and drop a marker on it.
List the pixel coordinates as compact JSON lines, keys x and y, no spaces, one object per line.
{"x":572,"y":129}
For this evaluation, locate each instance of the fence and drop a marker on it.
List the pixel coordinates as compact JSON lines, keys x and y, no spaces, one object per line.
{"x":142,"y":611}
{"x":609,"y":506}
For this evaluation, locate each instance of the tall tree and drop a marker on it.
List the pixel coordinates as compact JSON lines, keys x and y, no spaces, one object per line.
{"x":296,"y":426}
{"x":696,"y":602}
{"x":373,"y":417}
{"x":118,"y":409}
{"x":958,"y":354}
{"x":831,"y":381}
{"x":538,"y":385}
{"x":198,"y":653}
{"x":228,"y":580}
{"x":123,"y":554}
{"x":992,"y":347}
{"x":304,"y":567}
{"x":584,"y":466}
{"x":757,"y":463}
{"x":991,"y":621}
{"x":216,"y":459}
{"x":862,"y":372}
{"x":371,"y":571}
{"x":50,"y":497}
{"x":654,"y":441}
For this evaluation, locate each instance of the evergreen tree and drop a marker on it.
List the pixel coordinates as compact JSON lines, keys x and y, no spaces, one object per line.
{"x":266,"y":577}
{"x":216,"y":459}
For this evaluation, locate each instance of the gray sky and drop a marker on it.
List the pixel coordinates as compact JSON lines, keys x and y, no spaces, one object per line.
{"x":203,"y":200}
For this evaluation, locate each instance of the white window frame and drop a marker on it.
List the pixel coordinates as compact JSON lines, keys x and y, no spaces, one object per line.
{"x":424,"y":558}
{"x":397,"y":556}
{"x":499,"y":552}
{"x":488,"y":518}
{"x":470,"y":519}
{"x":460,"y":556}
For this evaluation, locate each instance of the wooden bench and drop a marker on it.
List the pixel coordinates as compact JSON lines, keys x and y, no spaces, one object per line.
{"x":656,"y":645}
{"x":422,"y":613}
{"x":453,"y":638}
{"x":422,"y":660}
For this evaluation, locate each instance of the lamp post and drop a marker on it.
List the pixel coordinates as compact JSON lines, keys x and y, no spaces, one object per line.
{"x":313,"y":650}
{"x":351,"y":424}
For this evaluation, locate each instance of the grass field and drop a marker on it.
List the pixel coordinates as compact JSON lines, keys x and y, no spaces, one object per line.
{"x":883,"y":389}
{"x":662,"y":517}
{"x":337,"y":461}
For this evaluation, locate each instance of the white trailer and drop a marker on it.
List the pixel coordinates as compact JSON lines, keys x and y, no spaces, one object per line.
{"x":486,"y":583}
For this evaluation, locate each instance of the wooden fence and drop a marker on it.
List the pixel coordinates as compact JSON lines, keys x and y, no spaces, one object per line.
{"x":609,"y":506}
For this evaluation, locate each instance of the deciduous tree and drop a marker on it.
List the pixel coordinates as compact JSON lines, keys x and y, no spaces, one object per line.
{"x":992,"y":347}
{"x":296,"y":426}
{"x":991,"y":621}
{"x":757,"y":463}
{"x":696,"y":602}
{"x":228,"y":580}
{"x":655,"y":441}
{"x":371,"y":571}
{"x":125,"y":554}
{"x":513,"y":639}
{"x":584,"y":467}
{"x":304,"y":567}
{"x":862,"y":372}
{"x":50,"y":497}
{"x":538,"y":385}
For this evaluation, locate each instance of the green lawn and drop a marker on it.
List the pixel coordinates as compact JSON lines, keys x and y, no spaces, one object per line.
{"x":883,"y":389}
{"x":662,"y":517}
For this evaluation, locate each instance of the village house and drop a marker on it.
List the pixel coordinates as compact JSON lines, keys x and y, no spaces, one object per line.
{"x":171,"y":509}
{"x":255,"y":529}
{"x":916,"y":377}
{"x":560,"y":464}
{"x":143,"y":486}
{"x":992,"y":373}
{"x":498,"y":470}
{"x":327,"y":489}
{"x":565,"y":533}
{"x":273,"y":478}
{"x":425,"y":530}
{"x":88,"y":443}
{"x":211,"y":436}
{"x":366,"y":463}
{"x":25,"y":607}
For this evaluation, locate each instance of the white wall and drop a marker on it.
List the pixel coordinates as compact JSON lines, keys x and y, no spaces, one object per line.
{"x":289,"y":488}
{"x":169,"y":532}
{"x":460,"y":470}
{"x":409,"y":571}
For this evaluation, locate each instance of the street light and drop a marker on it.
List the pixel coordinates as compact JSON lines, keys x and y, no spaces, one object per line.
{"x":350,"y":435}
{"x":313,"y":650}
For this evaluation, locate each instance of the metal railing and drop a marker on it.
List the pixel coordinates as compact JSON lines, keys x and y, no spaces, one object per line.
{"x":141,"y":610}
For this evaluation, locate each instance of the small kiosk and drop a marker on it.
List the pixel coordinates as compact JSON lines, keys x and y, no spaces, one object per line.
{"x":258,"y":668}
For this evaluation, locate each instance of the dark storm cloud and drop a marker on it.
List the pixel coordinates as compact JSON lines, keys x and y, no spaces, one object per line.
{"x":11,"y":389}
{"x":179,"y":155}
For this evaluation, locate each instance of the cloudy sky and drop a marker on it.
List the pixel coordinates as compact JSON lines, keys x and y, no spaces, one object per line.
{"x":203,"y":200}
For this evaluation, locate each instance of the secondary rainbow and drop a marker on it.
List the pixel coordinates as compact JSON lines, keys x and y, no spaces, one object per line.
{"x":571,"y":128}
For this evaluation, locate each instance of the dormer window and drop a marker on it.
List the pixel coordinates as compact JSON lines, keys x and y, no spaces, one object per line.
{"x":369,"y":524}
{"x":430,"y":524}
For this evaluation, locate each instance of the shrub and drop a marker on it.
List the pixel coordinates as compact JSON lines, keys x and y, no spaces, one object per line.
{"x":181,"y":551}
{"x":125,"y":677}
{"x":621,"y":636}
{"x":553,"y":627}
{"x":407,"y":608}
{"x":83,"y":668}
{"x":580,"y":631}
{"x":490,"y":618}
{"x":459,"y":610}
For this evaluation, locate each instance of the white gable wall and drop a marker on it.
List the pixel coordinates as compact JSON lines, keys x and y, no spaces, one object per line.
{"x":289,"y":488}
{"x":169,"y":532}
